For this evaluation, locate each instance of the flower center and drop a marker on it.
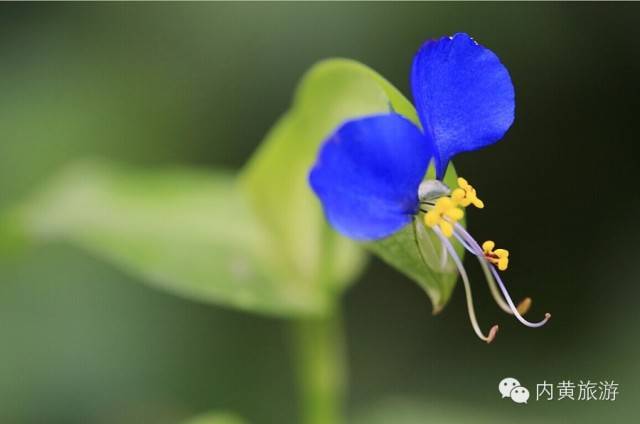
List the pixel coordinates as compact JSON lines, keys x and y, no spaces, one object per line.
{"x":448,"y":208}
{"x":442,"y":208}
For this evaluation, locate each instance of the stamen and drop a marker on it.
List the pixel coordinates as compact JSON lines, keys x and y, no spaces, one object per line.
{"x":467,"y":289}
{"x":498,"y":257}
{"x":523,"y":306}
{"x":465,"y":238}
{"x":466,"y":195}
{"x":442,"y":216}
{"x":443,"y":213}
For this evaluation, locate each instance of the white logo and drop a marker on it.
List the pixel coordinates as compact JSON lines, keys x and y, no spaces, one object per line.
{"x":511,"y":388}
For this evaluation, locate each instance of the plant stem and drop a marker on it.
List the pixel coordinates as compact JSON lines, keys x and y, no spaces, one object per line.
{"x":319,"y":354}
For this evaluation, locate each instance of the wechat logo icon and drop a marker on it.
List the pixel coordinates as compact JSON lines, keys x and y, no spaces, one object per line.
{"x":510,"y":388}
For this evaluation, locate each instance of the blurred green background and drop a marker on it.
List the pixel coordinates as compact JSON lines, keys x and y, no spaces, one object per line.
{"x":200,"y":84}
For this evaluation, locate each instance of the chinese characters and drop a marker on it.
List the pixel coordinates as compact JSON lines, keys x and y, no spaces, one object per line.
{"x":582,"y":390}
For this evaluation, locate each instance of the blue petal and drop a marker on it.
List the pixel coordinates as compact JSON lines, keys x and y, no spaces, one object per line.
{"x":463,"y":95}
{"x":367,"y":175}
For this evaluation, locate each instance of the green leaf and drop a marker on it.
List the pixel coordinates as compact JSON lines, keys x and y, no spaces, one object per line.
{"x":185,"y":231}
{"x":276,"y":182}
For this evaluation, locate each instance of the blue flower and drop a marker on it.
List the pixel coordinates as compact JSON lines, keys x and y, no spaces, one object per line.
{"x":370,"y":172}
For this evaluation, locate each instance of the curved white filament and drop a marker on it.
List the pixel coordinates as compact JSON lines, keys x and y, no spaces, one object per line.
{"x":467,"y":290}
{"x":480,"y":254}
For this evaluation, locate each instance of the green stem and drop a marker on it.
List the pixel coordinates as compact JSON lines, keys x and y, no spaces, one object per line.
{"x":319,"y":353}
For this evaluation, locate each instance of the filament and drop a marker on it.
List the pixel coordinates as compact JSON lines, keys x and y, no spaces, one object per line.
{"x":523,"y":306}
{"x":505,"y":293}
{"x":467,"y":289}
{"x":464,"y":243}
{"x":466,"y":239}
{"x":443,"y":257}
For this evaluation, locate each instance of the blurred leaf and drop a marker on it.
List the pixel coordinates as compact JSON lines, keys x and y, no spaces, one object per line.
{"x":215,"y":418}
{"x":276,"y":181}
{"x":185,"y":231}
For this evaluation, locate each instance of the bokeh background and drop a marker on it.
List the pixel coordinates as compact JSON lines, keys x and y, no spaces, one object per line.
{"x":200,"y":84}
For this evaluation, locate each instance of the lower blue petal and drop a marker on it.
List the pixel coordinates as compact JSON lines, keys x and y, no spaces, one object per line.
{"x":368,"y":173}
{"x":463,"y":95}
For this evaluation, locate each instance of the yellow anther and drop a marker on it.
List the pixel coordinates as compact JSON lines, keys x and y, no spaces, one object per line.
{"x":444,"y":213}
{"x":466,"y":195}
{"x":464,"y":184}
{"x":477,"y":203}
{"x":431,"y":218}
{"x":457,"y":195}
{"x":503,"y":264}
{"x":499,"y":257}
{"x":488,"y":246}
{"x":447,"y":228}
{"x":455,"y":214}
{"x":448,"y":209}
{"x":443,"y":204}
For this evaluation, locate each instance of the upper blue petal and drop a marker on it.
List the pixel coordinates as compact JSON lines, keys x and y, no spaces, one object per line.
{"x":368,"y":173}
{"x":463,"y":95}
